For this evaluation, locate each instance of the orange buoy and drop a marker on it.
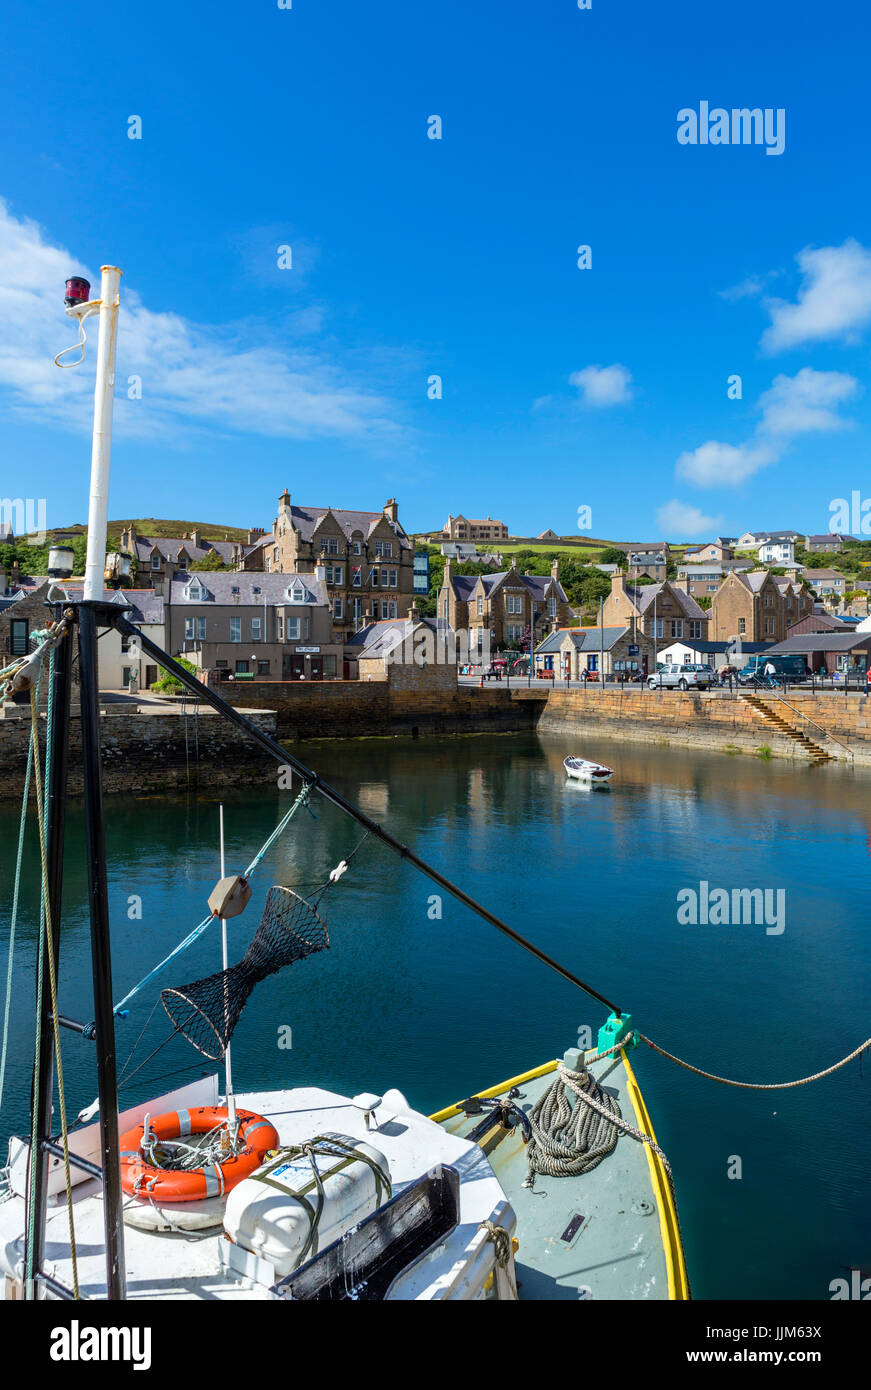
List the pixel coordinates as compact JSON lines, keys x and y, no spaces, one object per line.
{"x":142,"y":1179}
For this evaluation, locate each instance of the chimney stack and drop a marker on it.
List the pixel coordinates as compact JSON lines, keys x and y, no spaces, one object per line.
{"x":391,"y":511}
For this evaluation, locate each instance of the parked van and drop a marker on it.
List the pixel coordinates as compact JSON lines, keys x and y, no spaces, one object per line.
{"x":792,"y":667}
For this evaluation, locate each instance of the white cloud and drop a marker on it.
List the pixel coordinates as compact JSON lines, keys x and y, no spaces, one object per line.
{"x":195,"y":377}
{"x":793,"y":405}
{"x":723,"y":465}
{"x":603,"y":386}
{"x":680,"y":519}
{"x":834,"y":300}
{"x":806,"y":402}
{"x":747,"y":289}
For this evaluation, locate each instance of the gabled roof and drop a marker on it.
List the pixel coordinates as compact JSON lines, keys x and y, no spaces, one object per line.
{"x":253,"y":589}
{"x":170,"y":546}
{"x":464,"y":585}
{"x":382,"y":637}
{"x":643,"y":596}
{"x":584,"y":639}
{"x":305,"y":520}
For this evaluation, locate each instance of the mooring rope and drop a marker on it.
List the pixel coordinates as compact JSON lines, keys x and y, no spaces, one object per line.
{"x":757,"y":1085}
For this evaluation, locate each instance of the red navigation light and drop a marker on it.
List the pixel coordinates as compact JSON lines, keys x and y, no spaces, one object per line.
{"x":78,"y":291}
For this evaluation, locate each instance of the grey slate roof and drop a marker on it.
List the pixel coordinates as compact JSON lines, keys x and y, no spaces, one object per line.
{"x":584,"y":639}
{"x":379,"y":638}
{"x":253,"y":589}
{"x":823,"y":642}
{"x":535,"y":584}
{"x":147,"y":605}
{"x":305,"y":520}
{"x":169,"y":547}
{"x":643,"y":596}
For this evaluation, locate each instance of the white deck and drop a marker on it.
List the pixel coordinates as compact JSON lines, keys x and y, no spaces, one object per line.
{"x":169,"y":1266}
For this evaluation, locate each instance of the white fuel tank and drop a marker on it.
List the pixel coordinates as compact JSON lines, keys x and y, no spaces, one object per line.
{"x":280,"y":1213}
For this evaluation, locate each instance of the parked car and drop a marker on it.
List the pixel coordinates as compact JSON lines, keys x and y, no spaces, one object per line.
{"x":792,"y":667}
{"x":683,"y":675}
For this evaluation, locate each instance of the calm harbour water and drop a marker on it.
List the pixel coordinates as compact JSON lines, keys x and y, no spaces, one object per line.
{"x":440,"y":1008}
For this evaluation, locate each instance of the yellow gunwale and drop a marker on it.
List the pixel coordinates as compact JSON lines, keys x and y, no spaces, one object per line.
{"x":675,"y":1264}
{"x":491,"y":1091}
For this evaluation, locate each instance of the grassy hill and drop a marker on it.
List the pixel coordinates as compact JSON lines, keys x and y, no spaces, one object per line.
{"x":159,"y":526}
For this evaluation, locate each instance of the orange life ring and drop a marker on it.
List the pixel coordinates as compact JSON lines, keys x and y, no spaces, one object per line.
{"x":142,"y":1179}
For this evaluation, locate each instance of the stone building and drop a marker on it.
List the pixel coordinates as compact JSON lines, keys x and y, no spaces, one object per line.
{"x":461,"y":528}
{"x":759,"y":606}
{"x":368,"y":559}
{"x":663,"y":612}
{"x":505,"y":605}
{"x":158,"y":557}
{"x":272,"y":626}
{"x":569,"y":653}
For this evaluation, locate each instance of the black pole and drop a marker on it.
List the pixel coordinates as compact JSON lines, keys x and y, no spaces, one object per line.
{"x":55,"y":811}
{"x":275,"y":750}
{"x":101,"y":960}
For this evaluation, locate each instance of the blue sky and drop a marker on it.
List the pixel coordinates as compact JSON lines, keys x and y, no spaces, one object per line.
{"x":563,"y":388}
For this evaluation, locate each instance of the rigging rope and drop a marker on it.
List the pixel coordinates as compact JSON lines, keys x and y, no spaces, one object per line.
{"x":14,"y":917}
{"x":198,"y":930}
{"x":46,"y":914}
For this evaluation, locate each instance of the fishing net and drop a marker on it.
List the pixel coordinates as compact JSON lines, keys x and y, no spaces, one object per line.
{"x":207,"y":1011}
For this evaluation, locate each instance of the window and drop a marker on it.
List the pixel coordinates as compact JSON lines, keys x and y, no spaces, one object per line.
{"x":515,"y":603}
{"x":335,"y":574}
{"x":293,"y":627}
{"x":656,"y":628}
{"x":338,"y":608}
{"x":235,"y":629}
{"x":275,"y":554}
{"x":358,"y":547}
{"x":222,"y":665}
{"x":384,"y":549}
{"x":394,"y":579}
{"x":551,"y":607}
{"x":279,"y":627}
{"x":373,"y":579}
{"x":156,"y":562}
{"x":742,"y":625}
{"x":242,"y":668}
{"x":330,"y":545}
{"x":385,"y":575}
{"x":18,"y":639}
{"x":263,"y":668}
{"x":358,"y":605}
{"x":393,"y":609}
{"x":695,"y":630}
{"x":769,"y":600}
{"x":357,"y":579}
{"x":769,"y":626}
{"x":195,"y":629}
{"x":480,"y":606}
{"x":676,"y":626}
{"x":256,"y":629}
{"x":256,"y":589}
{"x":266,"y":564}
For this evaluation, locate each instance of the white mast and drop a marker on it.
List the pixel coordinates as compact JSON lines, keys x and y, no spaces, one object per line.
{"x":228,"y":1067}
{"x":104,"y":392}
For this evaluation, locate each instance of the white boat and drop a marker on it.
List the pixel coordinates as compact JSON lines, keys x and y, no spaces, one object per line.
{"x":584,"y":771}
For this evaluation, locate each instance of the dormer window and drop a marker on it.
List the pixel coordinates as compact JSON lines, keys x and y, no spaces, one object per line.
{"x":156,"y":560}
{"x":255,"y":590}
{"x":297,"y":593}
{"x":234,"y":589}
{"x":195,"y":591}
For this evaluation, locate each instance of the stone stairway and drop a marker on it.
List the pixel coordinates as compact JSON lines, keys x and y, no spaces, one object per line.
{"x":815,"y":751}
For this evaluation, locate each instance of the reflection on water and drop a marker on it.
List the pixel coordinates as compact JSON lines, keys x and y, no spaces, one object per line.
{"x":427,"y":997}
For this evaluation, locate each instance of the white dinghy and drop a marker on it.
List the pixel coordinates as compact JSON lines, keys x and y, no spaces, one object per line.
{"x":581,"y":770}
